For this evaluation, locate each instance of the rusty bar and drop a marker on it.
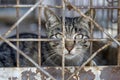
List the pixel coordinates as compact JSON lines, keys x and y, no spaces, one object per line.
{"x":51,"y":6}
{"x":33,"y":39}
{"x":118,"y":62}
{"x":27,"y":57}
{"x":63,"y":40}
{"x":91,"y":30}
{"x":39,"y":35}
{"x":28,"y":6}
{"x":97,"y":25}
{"x":22,"y":18}
{"x":17,"y":32}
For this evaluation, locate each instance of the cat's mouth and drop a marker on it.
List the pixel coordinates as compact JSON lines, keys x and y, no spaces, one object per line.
{"x":69,"y":56}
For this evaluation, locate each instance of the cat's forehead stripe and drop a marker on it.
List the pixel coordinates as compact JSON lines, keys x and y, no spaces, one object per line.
{"x":69,"y":24}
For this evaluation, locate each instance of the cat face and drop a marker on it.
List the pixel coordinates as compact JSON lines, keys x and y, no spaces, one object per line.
{"x":75,"y":35}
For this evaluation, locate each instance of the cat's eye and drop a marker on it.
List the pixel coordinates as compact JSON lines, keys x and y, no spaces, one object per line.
{"x":57,"y":36}
{"x":79,"y":36}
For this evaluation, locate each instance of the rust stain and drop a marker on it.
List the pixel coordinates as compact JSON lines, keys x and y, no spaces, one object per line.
{"x":110,"y":73}
{"x":13,"y":78}
{"x":87,"y":73}
{"x":55,"y":72}
{"x":116,"y":70}
{"x":28,"y":75}
{"x":69,"y":7}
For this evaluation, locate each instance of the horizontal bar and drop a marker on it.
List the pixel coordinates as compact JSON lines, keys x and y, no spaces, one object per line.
{"x":33,"y":39}
{"x":26,"y":6}
{"x":82,"y":7}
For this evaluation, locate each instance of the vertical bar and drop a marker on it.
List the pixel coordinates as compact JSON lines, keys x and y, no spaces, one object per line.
{"x":91,"y":29}
{"x":118,"y":62}
{"x":17,"y":32}
{"x":39,"y":35}
{"x":63,"y":40}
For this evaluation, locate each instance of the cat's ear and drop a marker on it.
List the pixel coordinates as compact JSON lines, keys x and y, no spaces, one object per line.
{"x":85,"y":21}
{"x":88,"y":13}
{"x":51,"y":19}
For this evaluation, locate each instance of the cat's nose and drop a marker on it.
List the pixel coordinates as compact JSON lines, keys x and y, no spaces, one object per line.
{"x":69,"y":45}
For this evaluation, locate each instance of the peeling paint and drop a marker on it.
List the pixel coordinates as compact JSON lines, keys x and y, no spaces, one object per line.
{"x":87,"y":73}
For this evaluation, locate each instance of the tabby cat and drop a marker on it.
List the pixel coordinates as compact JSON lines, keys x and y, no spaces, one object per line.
{"x":76,"y":51}
{"x":77,"y":31}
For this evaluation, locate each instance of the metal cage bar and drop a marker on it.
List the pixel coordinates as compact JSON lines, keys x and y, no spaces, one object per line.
{"x":39,"y":35}
{"x":91,"y":29}
{"x":51,"y":6}
{"x":17,"y":32}
{"x":63,"y":40}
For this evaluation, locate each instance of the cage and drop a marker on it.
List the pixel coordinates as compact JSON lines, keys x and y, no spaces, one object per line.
{"x":19,"y":18}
